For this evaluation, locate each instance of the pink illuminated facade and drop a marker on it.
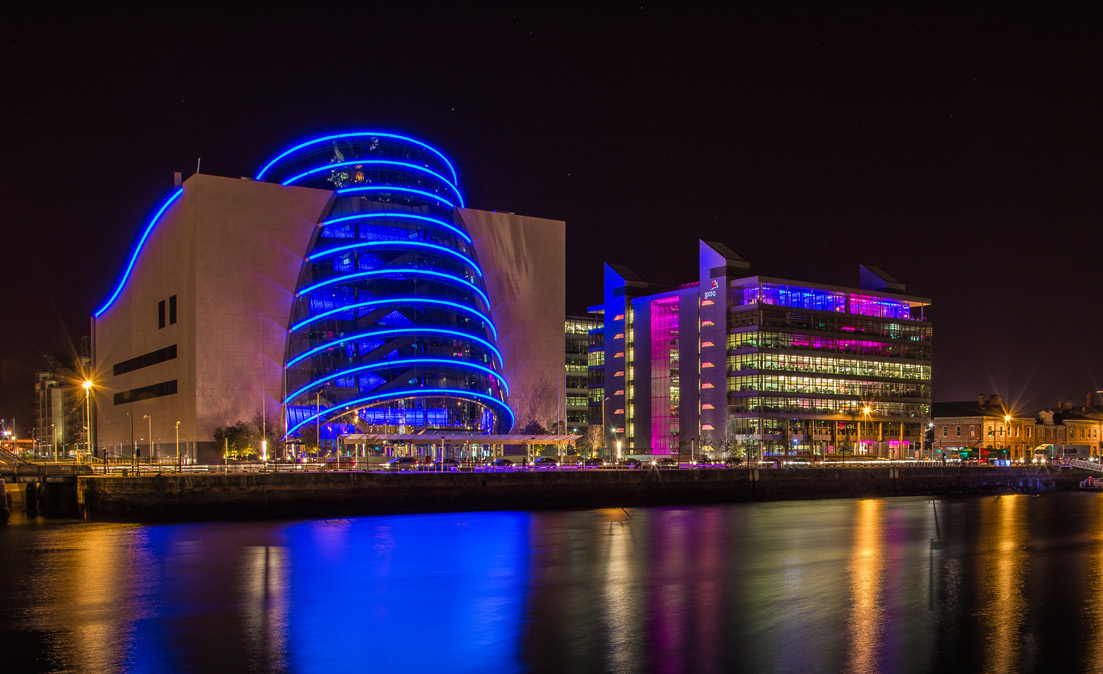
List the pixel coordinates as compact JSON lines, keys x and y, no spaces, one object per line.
{"x":739,"y":364}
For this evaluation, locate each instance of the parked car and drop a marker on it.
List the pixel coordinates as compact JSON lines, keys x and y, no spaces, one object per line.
{"x":665,"y":462}
{"x":703,"y":461}
{"x":594,"y":462}
{"x":499,"y":463}
{"x":629,"y":463}
{"x":734,"y":461}
{"x":402,"y":463}
{"x":545,"y":462}
{"x":445,"y":464}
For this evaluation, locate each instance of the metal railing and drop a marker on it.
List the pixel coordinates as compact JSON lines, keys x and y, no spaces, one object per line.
{"x":1086,"y":465}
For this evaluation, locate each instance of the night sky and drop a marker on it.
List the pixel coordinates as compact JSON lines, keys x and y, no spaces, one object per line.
{"x":960,"y":149}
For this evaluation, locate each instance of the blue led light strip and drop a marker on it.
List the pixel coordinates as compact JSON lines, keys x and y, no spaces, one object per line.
{"x":403,"y":302}
{"x":404,"y":362}
{"x":418,"y":393}
{"x":396,"y":270}
{"x":399,"y":243}
{"x":137,"y":249}
{"x":361,"y":216}
{"x":376,"y":162}
{"x":359,"y":134}
{"x":396,"y":332}
{"x":384,"y":188}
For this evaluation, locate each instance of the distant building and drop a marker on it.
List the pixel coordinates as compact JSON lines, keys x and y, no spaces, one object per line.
{"x":981,"y":429}
{"x":988,"y":428}
{"x":59,"y":406}
{"x":576,"y":379}
{"x":738,"y":362}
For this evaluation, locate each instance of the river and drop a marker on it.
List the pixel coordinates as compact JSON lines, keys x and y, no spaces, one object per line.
{"x":994,"y":584}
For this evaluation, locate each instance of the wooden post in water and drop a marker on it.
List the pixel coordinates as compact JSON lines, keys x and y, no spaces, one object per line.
{"x":5,"y":511}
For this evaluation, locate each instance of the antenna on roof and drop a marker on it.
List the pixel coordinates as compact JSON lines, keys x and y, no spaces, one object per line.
{"x":197,"y":162}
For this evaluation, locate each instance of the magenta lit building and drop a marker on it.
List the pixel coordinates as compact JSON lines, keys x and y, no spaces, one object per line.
{"x":736,"y":363}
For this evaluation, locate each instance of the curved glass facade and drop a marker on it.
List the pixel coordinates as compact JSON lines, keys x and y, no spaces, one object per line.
{"x":390,"y":327}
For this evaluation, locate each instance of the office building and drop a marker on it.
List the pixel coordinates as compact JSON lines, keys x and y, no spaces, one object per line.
{"x":742,"y":364}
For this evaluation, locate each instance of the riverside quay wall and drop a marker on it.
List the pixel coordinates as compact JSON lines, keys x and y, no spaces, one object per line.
{"x":173,"y":497}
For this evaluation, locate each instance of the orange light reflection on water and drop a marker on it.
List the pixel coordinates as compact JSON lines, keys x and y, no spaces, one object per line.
{"x":1006,"y":561}
{"x":865,"y":570}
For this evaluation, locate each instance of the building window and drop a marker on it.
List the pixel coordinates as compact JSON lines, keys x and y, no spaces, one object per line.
{"x":160,"y":314}
{"x":165,"y":388}
{"x":945,"y":431}
{"x":172,"y":310}
{"x":958,"y":430}
{"x":145,"y":360}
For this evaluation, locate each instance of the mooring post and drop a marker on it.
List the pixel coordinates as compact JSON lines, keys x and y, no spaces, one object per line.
{"x":5,"y":511}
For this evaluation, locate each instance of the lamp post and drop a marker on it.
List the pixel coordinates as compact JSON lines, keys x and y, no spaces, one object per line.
{"x":133,"y":445}
{"x":88,"y":416}
{"x":152,"y":451}
{"x":603,"y":426}
{"x":178,"y":466}
{"x":865,"y":412}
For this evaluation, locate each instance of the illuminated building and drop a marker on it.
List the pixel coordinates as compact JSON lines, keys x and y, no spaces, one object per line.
{"x":988,"y":428}
{"x":59,"y":404}
{"x":577,"y":331}
{"x":738,"y":362}
{"x":347,"y":287}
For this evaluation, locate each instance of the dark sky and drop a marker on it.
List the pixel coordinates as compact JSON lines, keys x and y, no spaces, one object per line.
{"x":958,"y":148}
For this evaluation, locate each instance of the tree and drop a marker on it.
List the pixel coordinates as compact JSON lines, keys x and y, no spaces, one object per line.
{"x":533,"y":427}
{"x":270,"y":433}
{"x":593,"y":436}
{"x":238,"y":441}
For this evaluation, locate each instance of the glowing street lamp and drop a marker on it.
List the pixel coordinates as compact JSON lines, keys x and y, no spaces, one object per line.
{"x":152,"y":449}
{"x":865,"y":412}
{"x":88,"y":415}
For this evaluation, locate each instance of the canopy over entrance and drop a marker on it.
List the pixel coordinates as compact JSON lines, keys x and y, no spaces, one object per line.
{"x":455,"y":438}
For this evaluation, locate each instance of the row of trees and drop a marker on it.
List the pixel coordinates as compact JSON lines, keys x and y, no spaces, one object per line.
{"x":242,"y":440}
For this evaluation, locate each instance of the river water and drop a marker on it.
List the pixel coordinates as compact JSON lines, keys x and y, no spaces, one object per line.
{"x":1010,"y":584}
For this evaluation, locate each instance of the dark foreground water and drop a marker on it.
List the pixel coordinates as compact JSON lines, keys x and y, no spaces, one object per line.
{"x":818,"y":586}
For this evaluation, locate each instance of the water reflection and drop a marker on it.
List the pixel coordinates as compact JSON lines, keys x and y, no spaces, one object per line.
{"x":827,"y":586}
{"x":865,"y":570}
{"x":1003,"y":565}
{"x":1093,"y":605}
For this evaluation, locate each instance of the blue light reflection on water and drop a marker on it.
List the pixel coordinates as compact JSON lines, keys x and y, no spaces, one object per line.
{"x":417,"y":593}
{"x":844,"y":585}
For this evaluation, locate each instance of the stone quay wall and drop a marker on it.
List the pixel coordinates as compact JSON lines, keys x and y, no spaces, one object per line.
{"x":192,"y":497}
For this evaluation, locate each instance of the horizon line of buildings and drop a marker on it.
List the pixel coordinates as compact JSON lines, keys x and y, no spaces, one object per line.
{"x":347,"y":289}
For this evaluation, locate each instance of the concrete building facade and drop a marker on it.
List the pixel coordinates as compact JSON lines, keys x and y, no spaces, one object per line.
{"x":344,"y":288}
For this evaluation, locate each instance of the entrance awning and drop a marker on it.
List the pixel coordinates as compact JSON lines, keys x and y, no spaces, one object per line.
{"x":460,"y":437}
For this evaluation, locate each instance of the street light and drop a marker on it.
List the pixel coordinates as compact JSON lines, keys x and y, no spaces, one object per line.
{"x":178,"y":467}
{"x":865,"y":411}
{"x":152,"y":449}
{"x":603,"y":426}
{"x":88,"y":419}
